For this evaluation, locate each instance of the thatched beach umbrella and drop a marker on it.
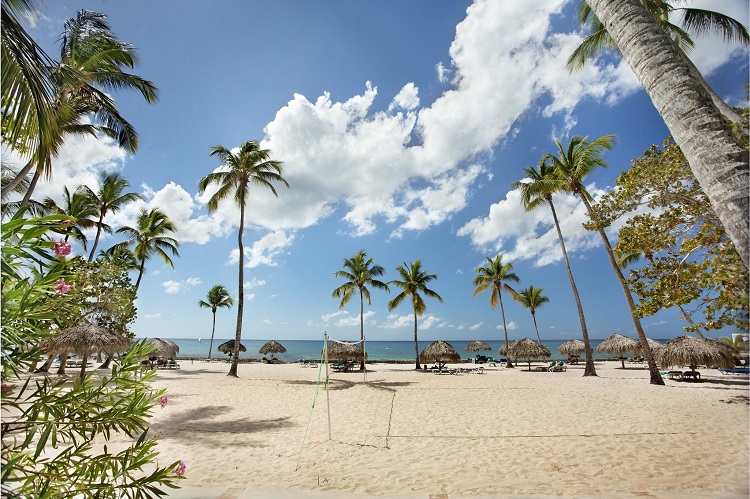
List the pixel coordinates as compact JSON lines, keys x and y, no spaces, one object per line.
{"x":228,"y":347}
{"x":344,"y":351}
{"x":572,"y":347}
{"x":163,"y":348}
{"x":619,"y":344}
{"x":652,"y":344}
{"x":694,"y":352}
{"x":440,"y":352}
{"x":476,"y":346}
{"x":272,"y":347}
{"x":528,"y":349}
{"x":84,"y":340}
{"x":503,"y":351}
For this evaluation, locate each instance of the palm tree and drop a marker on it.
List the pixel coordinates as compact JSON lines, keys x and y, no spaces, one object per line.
{"x":108,"y":199}
{"x":217,"y":297}
{"x":532,"y":298}
{"x":494,"y":277}
{"x":542,"y":184}
{"x":715,"y":155}
{"x":414,"y":281}
{"x":698,"y":21}
{"x":251,"y":165}
{"x":78,"y":206}
{"x":91,"y":52}
{"x":359,"y":272}
{"x":573,"y":164}
{"x":149,"y":238}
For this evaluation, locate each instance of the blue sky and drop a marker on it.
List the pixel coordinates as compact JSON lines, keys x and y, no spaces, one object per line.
{"x":401,"y":126}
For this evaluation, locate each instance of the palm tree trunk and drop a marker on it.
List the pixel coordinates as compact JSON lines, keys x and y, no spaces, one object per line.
{"x":213,"y":330}
{"x":240,"y":296}
{"x":538,"y":339}
{"x":656,"y":378}
{"x":589,"y":370}
{"x":361,"y":326}
{"x":98,"y":234}
{"x":508,"y":363}
{"x":416,"y":342}
{"x":715,"y":155}
{"x":723,"y":107}
{"x":140,"y":274}
{"x":30,"y":191}
{"x":17,"y":180}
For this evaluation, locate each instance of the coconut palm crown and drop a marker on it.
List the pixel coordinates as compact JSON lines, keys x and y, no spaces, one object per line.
{"x":218,"y":296}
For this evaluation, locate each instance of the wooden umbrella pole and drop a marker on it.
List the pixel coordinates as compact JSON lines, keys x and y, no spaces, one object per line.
{"x":364,"y":359}
{"x":328,"y":400}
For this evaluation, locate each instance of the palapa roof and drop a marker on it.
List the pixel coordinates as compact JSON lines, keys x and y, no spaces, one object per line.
{"x":439,"y":351}
{"x":502,"y":350}
{"x":572,"y":347}
{"x":272,"y":346}
{"x":653,"y":344}
{"x":619,"y":344}
{"x":690,"y":351}
{"x":164,"y":348}
{"x":476,"y":346}
{"x":228,"y":346}
{"x":528,"y":349}
{"x":344,"y":351}
{"x":85,"y":339}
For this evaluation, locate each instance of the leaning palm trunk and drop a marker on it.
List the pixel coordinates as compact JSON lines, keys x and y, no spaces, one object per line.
{"x":508,"y":363}
{"x":589,"y":370}
{"x":715,"y":156}
{"x":538,"y":339}
{"x":656,"y":378}
{"x":213,"y":330}
{"x":240,"y":296}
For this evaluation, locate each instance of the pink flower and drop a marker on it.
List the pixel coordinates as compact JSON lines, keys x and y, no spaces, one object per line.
{"x":61,"y":288}
{"x":180,"y":469}
{"x":163,"y":401}
{"x":61,"y":248}
{"x":7,"y":388}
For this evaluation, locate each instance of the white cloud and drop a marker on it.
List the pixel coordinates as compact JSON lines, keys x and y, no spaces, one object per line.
{"x":254,"y":283}
{"x":174,"y":287}
{"x":249,"y":296}
{"x":265,"y":250}
{"x":443,"y":73}
{"x":510,"y":326}
{"x":474,"y":327}
{"x":152,"y":316}
{"x":407,"y":99}
{"x":354,"y":320}
{"x":327,"y":317}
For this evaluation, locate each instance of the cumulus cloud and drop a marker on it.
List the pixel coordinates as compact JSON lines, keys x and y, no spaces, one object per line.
{"x":175,"y":287}
{"x":266,"y":250}
{"x":349,"y":321}
{"x":254,"y":283}
{"x":407,"y":99}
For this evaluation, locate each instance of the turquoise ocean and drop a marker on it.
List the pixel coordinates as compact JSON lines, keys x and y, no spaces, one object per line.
{"x":376,"y":350}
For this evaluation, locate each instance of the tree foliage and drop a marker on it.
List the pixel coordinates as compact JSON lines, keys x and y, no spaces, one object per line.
{"x":690,"y":261}
{"x":56,"y":433}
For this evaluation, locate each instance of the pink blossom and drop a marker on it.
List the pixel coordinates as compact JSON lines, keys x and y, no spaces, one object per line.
{"x":180,"y":470}
{"x":7,"y":388}
{"x":61,"y":248}
{"x":61,"y":288}
{"x":163,"y":401}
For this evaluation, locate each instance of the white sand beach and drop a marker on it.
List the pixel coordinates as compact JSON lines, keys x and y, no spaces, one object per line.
{"x":414,"y":434}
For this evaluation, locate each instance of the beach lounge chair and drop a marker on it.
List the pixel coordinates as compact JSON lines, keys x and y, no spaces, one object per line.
{"x":559,"y":367}
{"x":172,"y":364}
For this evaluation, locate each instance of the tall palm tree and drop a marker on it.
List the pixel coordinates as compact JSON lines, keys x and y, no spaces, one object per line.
{"x":698,"y":21}
{"x":109,"y":198}
{"x":716,"y":157}
{"x":93,"y":54}
{"x":573,"y":165}
{"x":532,"y":298}
{"x":494,"y":276}
{"x":540,"y":187}
{"x":78,"y":206}
{"x":251,"y":165}
{"x":149,"y":237}
{"x":359,"y":272}
{"x":414,"y":280}
{"x":217,"y":297}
